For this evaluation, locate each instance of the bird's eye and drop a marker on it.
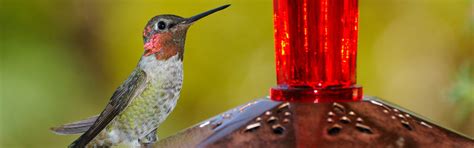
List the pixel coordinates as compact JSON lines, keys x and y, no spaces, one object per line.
{"x":161,"y":25}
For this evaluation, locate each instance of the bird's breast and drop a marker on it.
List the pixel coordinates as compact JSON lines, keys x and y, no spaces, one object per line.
{"x":153,"y":105}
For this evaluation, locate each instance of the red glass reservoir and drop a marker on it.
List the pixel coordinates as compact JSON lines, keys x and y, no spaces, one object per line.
{"x":316,"y":48}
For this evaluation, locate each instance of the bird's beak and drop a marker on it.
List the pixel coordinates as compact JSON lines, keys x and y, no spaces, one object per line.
{"x":192,"y":19}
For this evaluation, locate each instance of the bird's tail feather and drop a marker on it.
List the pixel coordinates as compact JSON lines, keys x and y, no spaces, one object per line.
{"x":75,"y":127}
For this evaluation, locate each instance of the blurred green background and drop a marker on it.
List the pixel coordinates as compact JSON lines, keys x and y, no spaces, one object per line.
{"x":62,"y":60}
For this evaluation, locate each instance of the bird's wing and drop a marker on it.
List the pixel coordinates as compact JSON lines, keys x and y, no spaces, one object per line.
{"x":75,"y":127}
{"x":120,"y":99}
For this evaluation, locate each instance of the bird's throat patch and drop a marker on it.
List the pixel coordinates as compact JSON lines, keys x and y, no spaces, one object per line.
{"x":162,"y":46}
{"x":153,"y":45}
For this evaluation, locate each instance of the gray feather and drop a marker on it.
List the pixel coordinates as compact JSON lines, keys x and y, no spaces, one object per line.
{"x":120,"y":99}
{"x":75,"y":127}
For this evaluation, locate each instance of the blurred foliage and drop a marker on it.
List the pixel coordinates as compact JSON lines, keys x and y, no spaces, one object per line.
{"x":61,"y":60}
{"x":462,"y":93}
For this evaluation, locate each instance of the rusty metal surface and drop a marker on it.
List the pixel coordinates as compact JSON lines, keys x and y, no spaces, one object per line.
{"x":218,"y":126}
{"x":187,"y":138}
{"x":272,"y":127}
{"x":369,"y":123}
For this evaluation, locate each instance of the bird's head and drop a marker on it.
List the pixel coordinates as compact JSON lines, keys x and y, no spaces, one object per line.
{"x":164,"y":35}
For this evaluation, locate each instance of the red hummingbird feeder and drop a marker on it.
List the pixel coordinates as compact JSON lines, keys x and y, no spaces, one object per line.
{"x":317,"y":102}
{"x":316,"y":49}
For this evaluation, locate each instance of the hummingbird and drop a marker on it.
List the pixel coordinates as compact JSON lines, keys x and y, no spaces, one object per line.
{"x":144,"y":100}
